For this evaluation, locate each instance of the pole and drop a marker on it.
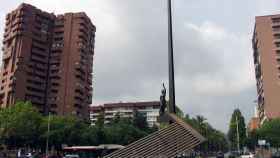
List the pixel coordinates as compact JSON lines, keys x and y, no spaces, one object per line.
{"x":47,"y":142}
{"x":172,"y":104}
{"x":237,"y":130}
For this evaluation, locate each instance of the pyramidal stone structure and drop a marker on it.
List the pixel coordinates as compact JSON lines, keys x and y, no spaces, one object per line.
{"x":169,"y":142}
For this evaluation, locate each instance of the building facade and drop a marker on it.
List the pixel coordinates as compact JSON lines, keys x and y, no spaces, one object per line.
{"x":126,"y":110}
{"x":253,"y":124}
{"x":47,"y":59}
{"x":266,"y":48}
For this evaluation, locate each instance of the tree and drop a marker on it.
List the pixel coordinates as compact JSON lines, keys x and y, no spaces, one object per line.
{"x":237,"y":120}
{"x":124,"y":132}
{"x":139,"y":120}
{"x":100,"y":120}
{"x":269,"y":131}
{"x":215,"y":140}
{"x":19,"y":125}
{"x":63,"y":130}
{"x":89,"y":136}
{"x":252,"y":140}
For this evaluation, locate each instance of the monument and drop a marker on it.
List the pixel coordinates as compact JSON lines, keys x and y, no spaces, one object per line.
{"x":162,"y":100}
{"x":174,"y":140}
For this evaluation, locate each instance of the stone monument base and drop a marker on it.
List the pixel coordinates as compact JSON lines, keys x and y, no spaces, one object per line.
{"x":170,"y":142}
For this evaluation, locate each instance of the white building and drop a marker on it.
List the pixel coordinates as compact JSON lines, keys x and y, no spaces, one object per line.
{"x":126,"y":110}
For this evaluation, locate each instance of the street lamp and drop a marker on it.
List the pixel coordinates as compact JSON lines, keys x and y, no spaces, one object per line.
{"x":172,"y":104}
{"x":47,"y":142}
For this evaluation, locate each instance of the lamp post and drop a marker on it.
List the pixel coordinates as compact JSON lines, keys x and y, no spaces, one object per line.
{"x":172,"y":104}
{"x":237,"y":134}
{"x":47,"y":142}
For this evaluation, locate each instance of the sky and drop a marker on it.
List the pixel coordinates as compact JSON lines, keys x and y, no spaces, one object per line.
{"x":214,"y":71}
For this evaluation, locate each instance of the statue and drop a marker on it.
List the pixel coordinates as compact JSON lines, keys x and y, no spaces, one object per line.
{"x":162,"y":100}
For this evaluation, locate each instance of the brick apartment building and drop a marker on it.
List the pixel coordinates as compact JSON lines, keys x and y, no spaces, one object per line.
{"x":254,"y":122}
{"x":47,"y":59}
{"x":126,"y":110}
{"x":266,"y":47}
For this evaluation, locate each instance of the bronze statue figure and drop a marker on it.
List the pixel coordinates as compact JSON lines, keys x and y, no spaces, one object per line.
{"x":162,"y":100}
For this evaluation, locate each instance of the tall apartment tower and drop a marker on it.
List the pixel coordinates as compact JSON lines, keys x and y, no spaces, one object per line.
{"x":266,"y":47}
{"x":48,"y":59}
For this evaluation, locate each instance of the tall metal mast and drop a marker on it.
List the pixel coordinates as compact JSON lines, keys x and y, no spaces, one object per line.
{"x":172,"y":104}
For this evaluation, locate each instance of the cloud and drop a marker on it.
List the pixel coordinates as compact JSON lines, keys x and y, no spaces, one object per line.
{"x":213,"y":59}
{"x":222,"y":46}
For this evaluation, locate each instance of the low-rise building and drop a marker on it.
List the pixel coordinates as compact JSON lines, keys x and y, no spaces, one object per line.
{"x":253,"y":124}
{"x":126,"y":110}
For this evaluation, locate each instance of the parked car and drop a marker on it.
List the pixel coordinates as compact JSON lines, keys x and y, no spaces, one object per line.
{"x":276,"y":155}
{"x":29,"y":155}
{"x":247,"y":155}
{"x":220,"y":155}
{"x":234,"y":154}
{"x":71,"y":156}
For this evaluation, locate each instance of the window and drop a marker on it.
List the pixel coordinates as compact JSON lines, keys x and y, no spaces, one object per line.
{"x":276,"y":20}
{"x":55,"y":84}
{"x":276,"y":28}
{"x":44,"y":28}
{"x":55,"y":71}
{"x":53,"y":106}
{"x":277,"y":36}
{"x":54,"y":90}
{"x":278,"y":61}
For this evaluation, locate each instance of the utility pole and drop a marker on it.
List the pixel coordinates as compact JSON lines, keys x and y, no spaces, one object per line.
{"x":47,"y":142}
{"x":237,"y":130}
{"x":172,"y":104}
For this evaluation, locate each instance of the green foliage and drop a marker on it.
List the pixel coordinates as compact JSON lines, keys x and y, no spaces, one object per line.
{"x":252,"y":140}
{"x":123,"y":132}
{"x":237,"y":120}
{"x":270,"y":131}
{"x":179,"y":112}
{"x":22,"y":125}
{"x":216,"y":140}
{"x":140,"y":121}
{"x":19,"y":125}
{"x":63,"y":130}
{"x":100,"y":120}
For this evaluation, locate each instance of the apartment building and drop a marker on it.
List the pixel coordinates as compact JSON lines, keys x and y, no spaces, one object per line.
{"x":126,"y":110}
{"x":47,"y":59}
{"x":266,"y":48}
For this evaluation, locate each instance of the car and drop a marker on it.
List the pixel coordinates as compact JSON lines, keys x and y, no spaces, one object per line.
{"x":276,"y":155}
{"x":28,"y":155}
{"x":233,"y":154}
{"x":71,"y":156}
{"x":247,"y":155}
{"x":220,"y":155}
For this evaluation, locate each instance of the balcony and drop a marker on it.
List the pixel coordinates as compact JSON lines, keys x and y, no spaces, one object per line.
{"x":276,"y":40}
{"x":7,"y":55}
{"x":78,"y":105}
{"x":54,"y":77}
{"x":80,"y":66}
{"x":35,"y":93}
{"x":51,"y":100}
{"x":57,"y":46}
{"x":37,"y":58}
{"x":276,"y":24}
{"x":79,"y":97}
{"x":276,"y":30}
{"x":37,"y":66}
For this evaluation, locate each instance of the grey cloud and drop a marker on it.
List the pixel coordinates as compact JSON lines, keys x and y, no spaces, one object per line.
{"x":212,"y":76}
